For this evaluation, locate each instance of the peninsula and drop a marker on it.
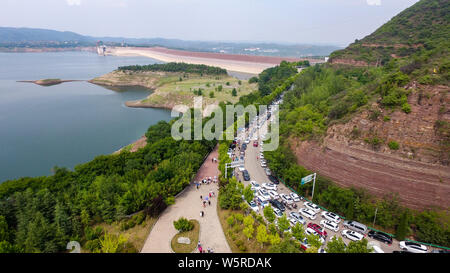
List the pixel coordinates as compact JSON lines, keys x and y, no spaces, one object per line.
{"x":177,"y":84}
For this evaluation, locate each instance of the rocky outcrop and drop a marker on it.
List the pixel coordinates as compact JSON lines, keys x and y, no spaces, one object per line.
{"x":418,"y":171}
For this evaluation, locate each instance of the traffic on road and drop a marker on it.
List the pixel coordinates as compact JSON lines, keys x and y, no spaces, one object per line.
{"x":269,"y":192}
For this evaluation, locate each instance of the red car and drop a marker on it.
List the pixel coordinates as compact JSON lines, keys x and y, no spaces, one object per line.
{"x":255,"y":143}
{"x":318,"y":229}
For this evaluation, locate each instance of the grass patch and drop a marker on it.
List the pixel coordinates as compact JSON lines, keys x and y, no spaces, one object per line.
{"x":193,"y":235}
{"x":135,"y":235}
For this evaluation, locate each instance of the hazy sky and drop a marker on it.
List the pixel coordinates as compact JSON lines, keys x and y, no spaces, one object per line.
{"x":294,"y":21}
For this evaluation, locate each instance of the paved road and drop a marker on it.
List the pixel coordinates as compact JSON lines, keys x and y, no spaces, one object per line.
{"x":188,"y":204}
{"x":257,"y":173}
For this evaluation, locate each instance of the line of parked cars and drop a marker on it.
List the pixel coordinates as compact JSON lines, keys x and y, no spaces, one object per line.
{"x":266,"y":194}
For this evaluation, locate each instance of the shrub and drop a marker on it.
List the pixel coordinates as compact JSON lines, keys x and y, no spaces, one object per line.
{"x":93,"y":245}
{"x":374,"y":115}
{"x":386,"y":118}
{"x":140,"y":218}
{"x":183,"y":225}
{"x":393,"y":145}
{"x":253,"y":80}
{"x":406,"y":108}
{"x":211,"y":94}
{"x":375,"y":142}
{"x":230,"y":220}
{"x":426,"y":80}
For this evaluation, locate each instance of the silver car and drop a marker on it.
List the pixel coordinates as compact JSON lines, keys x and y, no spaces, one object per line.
{"x":355,"y":226}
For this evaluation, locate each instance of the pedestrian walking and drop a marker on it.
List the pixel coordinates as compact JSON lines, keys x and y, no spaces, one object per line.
{"x":201,"y":197}
{"x":209,"y":194}
{"x":209,"y":202}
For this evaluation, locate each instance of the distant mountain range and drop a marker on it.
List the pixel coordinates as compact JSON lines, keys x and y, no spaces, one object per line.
{"x":35,"y":38}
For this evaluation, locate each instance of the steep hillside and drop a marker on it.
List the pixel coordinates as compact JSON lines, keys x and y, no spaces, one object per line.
{"x":383,"y":127}
{"x":424,"y":26}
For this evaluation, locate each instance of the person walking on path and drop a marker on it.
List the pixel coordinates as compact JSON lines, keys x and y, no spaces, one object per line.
{"x":201,"y":197}
{"x":209,"y":202}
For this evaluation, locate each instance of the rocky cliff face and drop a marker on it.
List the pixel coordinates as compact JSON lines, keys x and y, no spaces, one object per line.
{"x":418,"y":170}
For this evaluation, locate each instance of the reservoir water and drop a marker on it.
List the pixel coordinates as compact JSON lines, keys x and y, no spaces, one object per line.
{"x":66,"y":124}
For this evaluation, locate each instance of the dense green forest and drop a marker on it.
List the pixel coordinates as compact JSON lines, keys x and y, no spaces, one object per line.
{"x":177,"y":67}
{"x":43,"y":214}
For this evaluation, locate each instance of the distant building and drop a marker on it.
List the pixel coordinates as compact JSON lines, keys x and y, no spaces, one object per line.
{"x":101,"y":48}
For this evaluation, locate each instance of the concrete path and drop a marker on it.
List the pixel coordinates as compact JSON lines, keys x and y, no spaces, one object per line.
{"x":188,"y":204}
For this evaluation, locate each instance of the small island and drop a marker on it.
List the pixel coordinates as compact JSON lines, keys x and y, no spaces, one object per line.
{"x":48,"y":82}
{"x":178,"y":83}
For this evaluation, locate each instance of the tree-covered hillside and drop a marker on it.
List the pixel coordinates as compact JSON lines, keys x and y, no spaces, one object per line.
{"x":424,"y":26}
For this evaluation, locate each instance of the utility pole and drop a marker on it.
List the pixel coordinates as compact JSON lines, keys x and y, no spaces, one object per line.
{"x":375,"y":217}
{"x":314,"y":185}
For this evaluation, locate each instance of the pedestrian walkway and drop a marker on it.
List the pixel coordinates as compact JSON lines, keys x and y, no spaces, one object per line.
{"x":188,"y":204}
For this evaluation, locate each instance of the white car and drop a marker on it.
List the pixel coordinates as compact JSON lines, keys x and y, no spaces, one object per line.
{"x":273,"y":194}
{"x":311,"y":206}
{"x":263,"y":164}
{"x":295,"y":197}
{"x":352,"y":235}
{"x":307,"y":213}
{"x":298,"y":217}
{"x":310,"y":231}
{"x":331,"y":217}
{"x":413,"y":247}
{"x":329,"y":225}
{"x":375,"y":248}
{"x":286,"y":198}
{"x":269,"y":186}
{"x":264,"y":193}
{"x":293,"y":221}
{"x":263,"y":198}
{"x":253,"y":206}
{"x":255,"y":185}
{"x":277,"y":212}
{"x":268,"y":172}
